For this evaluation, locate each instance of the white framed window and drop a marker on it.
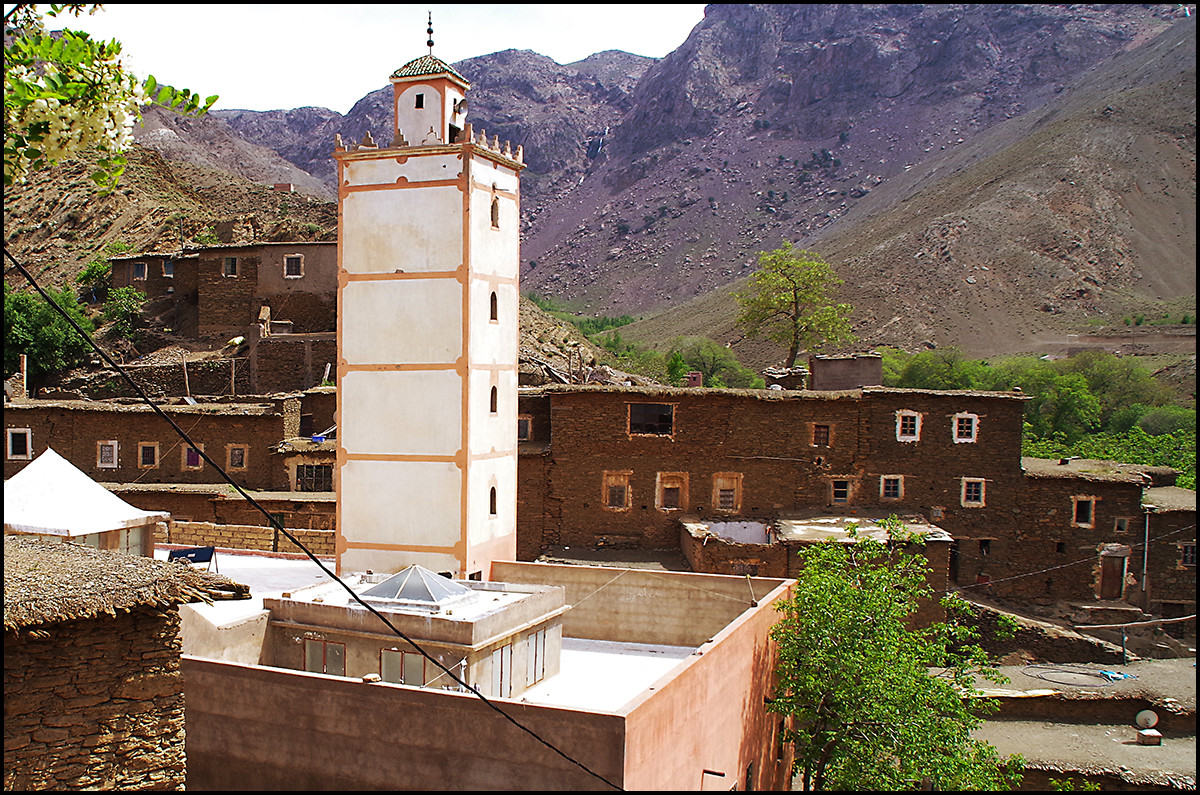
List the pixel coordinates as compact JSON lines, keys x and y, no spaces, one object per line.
{"x":1083,"y":511}
{"x":168,"y":269}
{"x":138,"y":271}
{"x":192,"y":458}
{"x":839,"y":491}
{"x":966,"y":427}
{"x":229,"y":266}
{"x":891,"y":487}
{"x":974,"y":493}
{"x":106,"y":454}
{"x":727,"y":492}
{"x":237,"y":456}
{"x":147,"y":455}
{"x":324,"y":657}
{"x":908,"y":426}
{"x":616,"y":494}
{"x":293,"y":266}
{"x":19,"y":444}
{"x":671,"y":491}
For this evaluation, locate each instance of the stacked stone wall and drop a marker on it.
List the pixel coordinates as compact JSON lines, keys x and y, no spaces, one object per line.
{"x":309,"y":313}
{"x":95,"y":704}
{"x":291,"y":362}
{"x":227,"y":304}
{"x":207,"y":378}
{"x":253,"y":537}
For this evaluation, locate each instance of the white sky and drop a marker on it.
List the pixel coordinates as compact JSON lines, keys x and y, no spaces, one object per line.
{"x":268,"y":57}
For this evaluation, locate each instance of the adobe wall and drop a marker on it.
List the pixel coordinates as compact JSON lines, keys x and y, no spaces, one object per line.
{"x":253,"y":728}
{"x":98,"y":704}
{"x":227,"y":304}
{"x":712,"y":715}
{"x":1170,"y":579}
{"x":213,"y":377}
{"x":845,"y":372}
{"x":291,"y":362}
{"x":715,"y":555}
{"x":256,"y":537}
{"x":74,"y":428}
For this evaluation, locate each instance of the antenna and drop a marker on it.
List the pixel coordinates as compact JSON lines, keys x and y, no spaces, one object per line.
{"x":429,"y":30}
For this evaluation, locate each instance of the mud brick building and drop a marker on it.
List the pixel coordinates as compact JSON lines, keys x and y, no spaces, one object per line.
{"x":226,"y":289}
{"x":627,"y":466}
{"x":93,"y":695}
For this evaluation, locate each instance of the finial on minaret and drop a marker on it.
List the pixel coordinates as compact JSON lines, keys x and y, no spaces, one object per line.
{"x":429,"y":30}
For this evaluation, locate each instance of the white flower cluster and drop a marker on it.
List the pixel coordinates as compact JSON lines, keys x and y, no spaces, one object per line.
{"x":99,"y":107}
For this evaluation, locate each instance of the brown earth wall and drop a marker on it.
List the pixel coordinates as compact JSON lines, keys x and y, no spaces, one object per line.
{"x":215,"y":377}
{"x":295,"y":513}
{"x":288,"y":362}
{"x":227,"y":304}
{"x":309,"y":313}
{"x":320,"y":403}
{"x":1170,"y":579}
{"x":74,"y":431}
{"x":98,"y":704}
{"x":722,"y":556}
{"x":230,"y":536}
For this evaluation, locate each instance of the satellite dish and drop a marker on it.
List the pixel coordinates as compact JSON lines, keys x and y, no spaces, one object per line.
{"x":1146,"y":719}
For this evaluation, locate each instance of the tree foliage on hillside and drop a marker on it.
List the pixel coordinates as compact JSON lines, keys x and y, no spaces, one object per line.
{"x":717,"y":363}
{"x":876,"y":705}
{"x":66,"y":93}
{"x":789,"y":301}
{"x":32,"y":328}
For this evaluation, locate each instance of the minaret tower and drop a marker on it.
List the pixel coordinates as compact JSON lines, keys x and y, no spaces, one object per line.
{"x":428,"y":251}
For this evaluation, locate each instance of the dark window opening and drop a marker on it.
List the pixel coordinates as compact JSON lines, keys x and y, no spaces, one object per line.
{"x":149,"y":455}
{"x":891,"y":488}
{"x":1187,"y":555}
{"x":841,"y":491}
{"x":495,"y":213}
{"x":727,"y":499}
{"x":229,"y":268}
{"x":314,"y":477}
{"x":1060,"y":547}
{"x":420,"y":101}
{"x":492,"y":501}
{"x":670,"y":496}
{"x":494,"y":401}
{"x":985,"y":547}
{"x":656,"y":419}
{"x":495,"y":309}
{"x":18,"y":444}
{"x":523,"y":425}
{"x":821,"y":435}
{"x":616,"y":496}
{"x":1083,"y":512}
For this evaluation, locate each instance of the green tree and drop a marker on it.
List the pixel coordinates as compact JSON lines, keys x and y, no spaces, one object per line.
{"x":676,"y":368}
{"x":97,"y":276}
{"x":123,"y":309}
{"x":32,"y":328}
{"x":943,"y":368}
{"x":877,"y":705}
{"x":718,"y":364}
{"x":66,"y":94}
{"x":789,"y":301}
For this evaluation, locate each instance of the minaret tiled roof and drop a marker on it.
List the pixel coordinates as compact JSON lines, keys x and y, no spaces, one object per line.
{"x":428,"y":65}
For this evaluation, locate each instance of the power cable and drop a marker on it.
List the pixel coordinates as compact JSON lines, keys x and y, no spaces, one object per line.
{"x":280,"y":528}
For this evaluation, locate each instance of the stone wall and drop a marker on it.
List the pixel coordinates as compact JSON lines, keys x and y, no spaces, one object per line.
{"x":845,"y":372}
{"x":255,"y":537}
{"x":227,"y":304}
{"x":95,"y":704}
{"x":207,"y":378}
{"x":292,"y":362}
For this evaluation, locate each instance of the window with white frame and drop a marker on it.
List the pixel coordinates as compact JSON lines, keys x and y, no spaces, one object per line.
{"x":19,"y":444}
{"x":1083,"y":511}
{"x":138,"y":271}
{"x":908,"y":426}
{"x":229,"y":266}
{"x":147,"y":455}
{"x":974,"y":492}
{"x":324,"y":657}
{"x":293,"y":266}
{"x":891,"y":487}
{"x":839,"y":491}
{"x":106,"y":454}
{"x":966,"y":427}
{"x":168,"y":269}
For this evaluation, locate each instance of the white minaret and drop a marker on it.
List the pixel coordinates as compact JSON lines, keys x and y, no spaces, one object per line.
{"x":428,"y":251}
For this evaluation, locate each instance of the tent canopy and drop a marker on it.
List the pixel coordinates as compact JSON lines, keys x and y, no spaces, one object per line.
{"x":50,"y":496}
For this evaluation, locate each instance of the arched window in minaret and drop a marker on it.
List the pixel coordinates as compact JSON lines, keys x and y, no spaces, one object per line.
{"x":495,"y":209}
{"x":492,"y":501}
{"x":495,"y":402}
{"x":495,"y":307}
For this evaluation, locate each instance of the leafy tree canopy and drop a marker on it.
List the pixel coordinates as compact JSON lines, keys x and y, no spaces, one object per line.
{"x":66,"y":93}
{"x":789,"y":301}
{"x":32,"y":328}
{"x":123,"y":308}
{"x":876,"y":705}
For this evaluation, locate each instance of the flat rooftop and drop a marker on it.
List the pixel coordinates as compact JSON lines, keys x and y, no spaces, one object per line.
{"x":604,"y":676}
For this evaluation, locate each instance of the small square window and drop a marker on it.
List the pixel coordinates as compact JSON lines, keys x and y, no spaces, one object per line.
{"x":973,"y":492}
{"x":820,"y":435}
{"x":651,"y":419}
{"x":891,"y":487}
{"x":841,"y":491}
{"x":1187,"y":554}
{"x":672,"y":491}
{"x":1084,"y":511}
{"x":617,"y":494}
{"x":139,"y":271}
{"x":192,"y":459}
{"x":1121,"y":525}
{"x":293,"y":266}
{"x":106,"y":455}
{"x":420,"y":103}
{"x":727,"y":492}
{"x":1060,"y":547}
{"x":168,"y":269}
{"x":20,"y":444}
{"x":229,"y":266}
{"x":237,"y":456}
{"x":908,"y":426}
{"x":148,"y":455}
{"x":966,"y":426}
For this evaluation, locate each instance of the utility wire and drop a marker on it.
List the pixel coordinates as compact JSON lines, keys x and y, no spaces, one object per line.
{"x":279,"y":527}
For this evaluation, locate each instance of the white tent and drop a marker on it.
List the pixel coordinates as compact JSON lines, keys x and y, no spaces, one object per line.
{"x":51,"y":497}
